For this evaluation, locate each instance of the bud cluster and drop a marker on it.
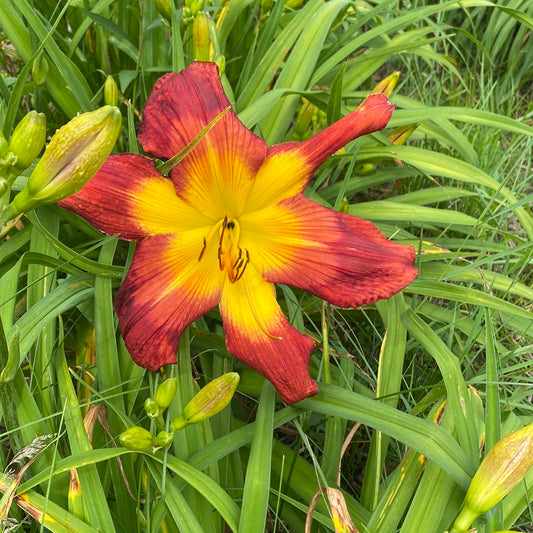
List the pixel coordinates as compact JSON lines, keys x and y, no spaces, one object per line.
{"x":209,"y":401}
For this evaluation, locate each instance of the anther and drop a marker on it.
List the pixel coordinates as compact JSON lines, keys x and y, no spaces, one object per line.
{"x":241,"y":266}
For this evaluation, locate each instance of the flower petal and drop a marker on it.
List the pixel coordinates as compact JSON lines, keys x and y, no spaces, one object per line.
{"x":166,"y":289}
{"x":259,"y":335}
{"x":340,"y":258}
{"x":130,"y":198}
{"x":289,"y":166}
{"x":218,"y":174}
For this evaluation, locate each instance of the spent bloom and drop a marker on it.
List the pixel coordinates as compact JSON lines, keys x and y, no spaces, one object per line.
{"x":228,"y":223}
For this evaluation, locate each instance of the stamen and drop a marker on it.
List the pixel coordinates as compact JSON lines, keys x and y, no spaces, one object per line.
{"x":209,"y":236}
{"x":239,"y":268}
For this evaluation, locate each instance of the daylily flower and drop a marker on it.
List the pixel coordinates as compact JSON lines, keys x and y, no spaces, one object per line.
{"x":229,"y":223}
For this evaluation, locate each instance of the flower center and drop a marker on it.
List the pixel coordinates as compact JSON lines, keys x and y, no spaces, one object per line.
{"x":231,"y":257}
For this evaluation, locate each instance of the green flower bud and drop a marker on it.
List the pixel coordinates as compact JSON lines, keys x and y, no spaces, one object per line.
{"x":387,"y":85}
{"x":194,"y":6}
{"x":28,"y":139}
{"x":303,"y":120}
{"x":344,"y":205}
{"x":136,"y":438}
{"x":364,"y":168}
{"x":164,"y":8}
{"x":165,"y":392}
{"x":39,"y":70}
{"x":200,"y":38}
{"x":110,"y":91}
{"x":209,"y":401}
{"x":72,"y":158}
{"x":163,"y":439}
{"x":151,"y":408}
{"x":504,"y":466}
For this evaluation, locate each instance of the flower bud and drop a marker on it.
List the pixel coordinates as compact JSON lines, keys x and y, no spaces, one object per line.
{"x":72,"y":158}
{"x":344,"y":205}
{"x":28,"y":139}
{"x":504,"y":466}
{"x":399,"y":135}
{"x":164,"y":8}
{"x":387,"y":85}
{"x":110,"y":91}
{"x":151,"y":408}
{"x":364,"y":168}
{"x":39,"y":70}
{"x":136,"y":438}
{"x":209,"y":401}
{"x":200,"y":37}
{"x":194,"y":6}
{"x":165,"y":392}
{"x":163,"y":439}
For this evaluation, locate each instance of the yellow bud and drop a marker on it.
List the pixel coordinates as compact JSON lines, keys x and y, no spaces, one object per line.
{"x":201,"y":38}
{"x":387,"y":85}
{"x":165,"y":392}
{"x":210,"y":400}
{"x":504,"y":466}
{"x":39,"y":70}
{"x":399,"y":135}
{"x":28,"y":139}
{"x":136,"y":439}
{"x":110,"y":91}
{"x":72,"y":158}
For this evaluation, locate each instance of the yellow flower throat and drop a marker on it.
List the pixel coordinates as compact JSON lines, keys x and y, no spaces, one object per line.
{"x":231,"y":257}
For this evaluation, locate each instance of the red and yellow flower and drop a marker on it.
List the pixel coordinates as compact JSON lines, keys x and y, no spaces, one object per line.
{"x":227,"y":224}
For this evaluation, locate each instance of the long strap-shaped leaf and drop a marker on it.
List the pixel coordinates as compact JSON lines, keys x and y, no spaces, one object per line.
{"x":421,"y":435}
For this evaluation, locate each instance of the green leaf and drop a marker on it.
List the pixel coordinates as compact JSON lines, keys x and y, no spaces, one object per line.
{"x":257,"y":481}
